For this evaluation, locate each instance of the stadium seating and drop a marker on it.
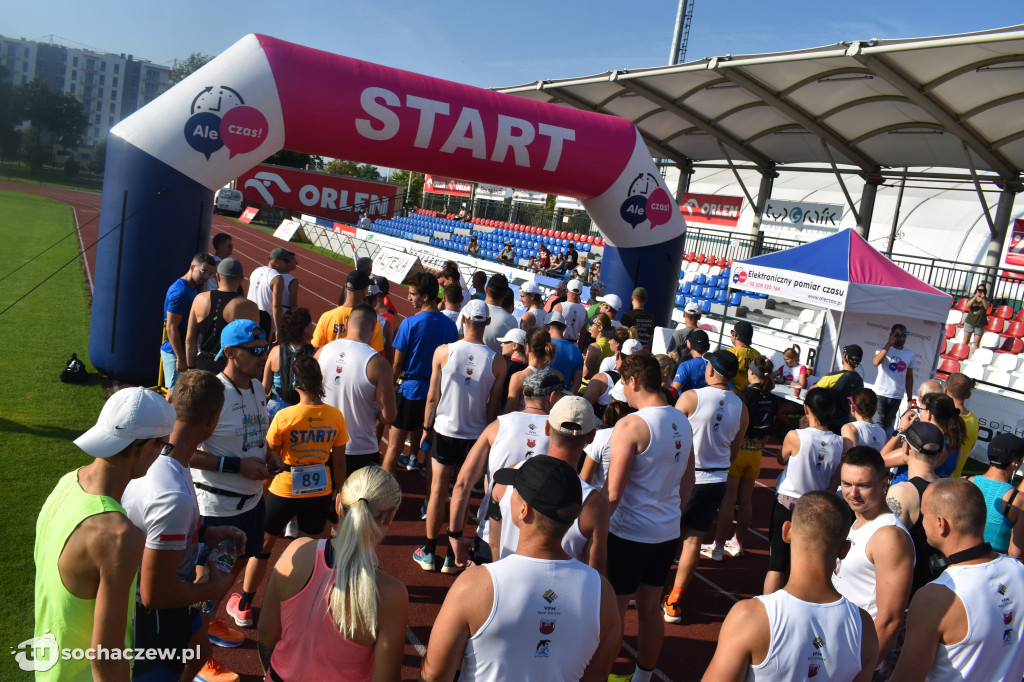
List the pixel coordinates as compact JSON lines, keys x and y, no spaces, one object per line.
{"x":947,"y":367}
{"x":959,"y":351}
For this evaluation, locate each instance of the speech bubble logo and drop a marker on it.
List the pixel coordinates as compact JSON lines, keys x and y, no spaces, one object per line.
{"x":243,"y":129}
{"x":634,"y":210}
{"x":659,"y":208}
{"x":202,"y":132}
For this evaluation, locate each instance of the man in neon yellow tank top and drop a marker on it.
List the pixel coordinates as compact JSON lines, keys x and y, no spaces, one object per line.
{"x":87,"y":552}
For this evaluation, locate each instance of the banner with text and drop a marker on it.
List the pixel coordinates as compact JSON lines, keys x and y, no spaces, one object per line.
{"x":330,"y":196}
{"x":1015,"y":251}
{"x":796,"y":286}
{"x":248,"y":214}
{"x":438,"y":184}
{"x":711,"y":209}
{"x":394,"y":265}
{"x":803,"y":214}
{"x":287,"y":229}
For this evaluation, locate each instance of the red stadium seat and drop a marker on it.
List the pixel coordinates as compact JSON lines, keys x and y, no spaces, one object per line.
{"x":1004,"y":311}
{"x":946,"y":368}
{"x":722,"y":261}
{"x":1014,"y":329}
{"x":1019,"y":317}
{"x":995,"y":324}
{"x":959,"y":351}
{"x":690,"y":257}
{"x":590,"y":239}
{"x":961,"y":305}
{"x":950,"y":331}
{"x":1011,"y":345}
{"x":701,"y":259}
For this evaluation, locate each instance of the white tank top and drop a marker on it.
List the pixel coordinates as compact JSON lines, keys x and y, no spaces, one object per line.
{"x":575,"y":315}
{"x":992,"y":594}
{"x":812,"y":466}
{"x":649,"y":509}
{"x":286,"y":295}
{"x":466,"y":382}
{"x":544,"y":624}
{"x":260,"y":289}
{"x":810,"y":640}
{"x":854,"y":576}
{"x":540,"y":317}
{"x":520,"y":436}
{"x":870,"y":433}
{"x":600,"y":450}
{"x":346,"y":387}
{"x":573,"y":542}
{"x":715,"y":423}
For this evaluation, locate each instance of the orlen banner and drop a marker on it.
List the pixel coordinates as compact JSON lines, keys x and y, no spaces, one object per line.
{"x":711,"y":209}
{"x":796,"y":286}
{"x":322,"y":194}
{"x":263,"y":94}
{"x":1015,"y":251}
{"x":450,"y":186}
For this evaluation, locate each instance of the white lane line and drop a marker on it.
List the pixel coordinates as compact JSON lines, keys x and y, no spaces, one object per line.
{"x":716,"y":586}
{"x":657,"y":671}
{"x":415,"y":641}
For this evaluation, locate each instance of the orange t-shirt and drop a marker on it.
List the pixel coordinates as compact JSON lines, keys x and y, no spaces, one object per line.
{"x":304,"y":436}
{"x":332,"y":325}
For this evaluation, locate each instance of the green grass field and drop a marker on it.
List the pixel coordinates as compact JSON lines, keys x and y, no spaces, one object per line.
{"x":39,"y":415}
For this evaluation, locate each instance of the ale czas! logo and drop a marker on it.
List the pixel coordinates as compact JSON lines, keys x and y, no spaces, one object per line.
{"x":220,"y":118}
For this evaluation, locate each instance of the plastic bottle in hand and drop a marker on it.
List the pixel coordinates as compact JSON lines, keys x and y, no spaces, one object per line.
{"x":224,"y":554}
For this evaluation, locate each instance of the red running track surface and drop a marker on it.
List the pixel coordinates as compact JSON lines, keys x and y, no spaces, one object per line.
{"x":688,"y":647}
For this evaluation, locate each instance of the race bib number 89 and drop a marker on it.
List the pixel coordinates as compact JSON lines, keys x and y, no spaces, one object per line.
{"x":309,"y":479}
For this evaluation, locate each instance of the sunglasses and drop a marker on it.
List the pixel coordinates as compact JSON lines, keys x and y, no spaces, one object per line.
{"x":167,"y":447}
{"x":255,"y":351}
{"x":901,"y":334}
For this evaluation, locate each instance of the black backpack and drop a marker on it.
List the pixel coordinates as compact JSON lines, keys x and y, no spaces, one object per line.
{"x":75,"y":372}
{"x":762,"y":408}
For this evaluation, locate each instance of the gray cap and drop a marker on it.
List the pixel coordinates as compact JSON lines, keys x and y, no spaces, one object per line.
{"x":230,"y":267}
{"x":556,"y":318}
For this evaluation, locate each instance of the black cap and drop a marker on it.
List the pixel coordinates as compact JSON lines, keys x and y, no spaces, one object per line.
{"x":1005,"y":448}
{"x":545,"y":483}
{"x":357,"y":280}
{"x":723,"y":362}
{"x":925,"y":437}
{"x":854,"y":352}
{"x":744,"y":331}
{"x":699,"y":341}
{"x":383,"y":284}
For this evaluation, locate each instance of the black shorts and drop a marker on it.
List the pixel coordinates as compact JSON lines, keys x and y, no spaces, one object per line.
{"x":778,"y":551}
{"x":164,"y":629}
{"x":311,"y":513}
{"x":449,"y":451}
{"x":702,"y":507}
{"x":631,"y":563}
{"x":409,"y":413}
{"x":251,"y":523}
{"x":354,"y":463}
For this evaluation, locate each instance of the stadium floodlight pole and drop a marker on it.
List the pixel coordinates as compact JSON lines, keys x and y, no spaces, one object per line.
{"x":681,"y":33}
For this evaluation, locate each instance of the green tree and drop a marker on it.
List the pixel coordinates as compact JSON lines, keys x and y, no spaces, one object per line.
{"x":401,"y":177}
{"x":31,"y":150}
{"x":295,"y":160}
{"x":69,"y":121}
{"x":98,"y":157}
{"x":57,"y":113}
{"x":352,"y":169}
{"x":184,"y":68}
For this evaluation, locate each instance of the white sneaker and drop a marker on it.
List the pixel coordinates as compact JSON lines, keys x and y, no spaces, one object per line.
{"x":711,"y":552}
{"x":291,"y":531}
{"x":733,"y":548}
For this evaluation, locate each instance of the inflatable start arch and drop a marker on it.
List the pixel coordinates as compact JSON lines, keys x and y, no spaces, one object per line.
{"x":262,"y":95}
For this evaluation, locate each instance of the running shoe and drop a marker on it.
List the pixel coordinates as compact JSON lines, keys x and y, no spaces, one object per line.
{"x":412,"y":464}
{"x":243,"y":617}
{"x":215,"y":671}
{"x":423,"y":511}
{"x":450,"y":567}
{"x":733,"y":548}
{"x":620,"y":678}
{"x":221,"y":634}
{"x":711,"y":551}
{"x":403,"y":461}
{"x":291,"y":531}
{"x":672,"y":611}
{"x":426,"y":560}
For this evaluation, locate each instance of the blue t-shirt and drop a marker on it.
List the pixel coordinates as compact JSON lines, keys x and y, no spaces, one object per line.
{"x":568,"y":359}
{"x":418,"y":337}
{"x":178,"y":300}
{"x":690,"y":374}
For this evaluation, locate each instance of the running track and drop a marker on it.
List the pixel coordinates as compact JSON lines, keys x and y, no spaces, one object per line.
{"x":688,"y":646}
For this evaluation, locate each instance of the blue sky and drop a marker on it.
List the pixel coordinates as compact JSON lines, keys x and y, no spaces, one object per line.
{"x":488,"y":43}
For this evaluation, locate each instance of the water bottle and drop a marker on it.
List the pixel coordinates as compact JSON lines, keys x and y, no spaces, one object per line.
{"x":223,"y":555}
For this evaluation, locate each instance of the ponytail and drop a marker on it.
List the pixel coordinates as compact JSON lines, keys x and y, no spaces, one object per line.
{"x":538,"y":341}
{"x":947,"y":418}
{"x":762,"y":368}
{"x":368,"y":496}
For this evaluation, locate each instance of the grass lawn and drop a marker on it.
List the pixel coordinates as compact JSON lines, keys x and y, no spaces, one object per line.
{"x":39,"y":415}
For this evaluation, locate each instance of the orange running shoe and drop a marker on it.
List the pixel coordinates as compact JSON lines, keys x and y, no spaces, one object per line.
{"x":215,"y":671}
{"x":221,"y":634}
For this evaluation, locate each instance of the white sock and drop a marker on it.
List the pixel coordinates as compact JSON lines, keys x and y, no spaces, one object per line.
{"x":641,"y":675}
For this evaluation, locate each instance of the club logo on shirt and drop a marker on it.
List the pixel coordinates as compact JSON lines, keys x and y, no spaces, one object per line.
{"x":468,"y":381}
{"x":1008,"y":636}
{"x":675,"y":460}
{"x":812,"y":670}
{"x":674,"y":427}
{"x":1001,"y":589}
{"x":550,"y":596}
{"x":471,"y":358}
{"x":679,"y":444}
{"x":543,"y":648}
{"x":531,"y":442}
{"x":532,"y":427}
{"x":469,"y":371}
{"x":547,"y":627}
{"x":1007,"y":617}
{"x":818,"y":642}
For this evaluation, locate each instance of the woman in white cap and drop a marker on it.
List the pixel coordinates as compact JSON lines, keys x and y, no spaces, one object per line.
{"x":513,"y":349}
{"x":599,"y":390}
{"x":535,"y":315}
{"x":540,"y":351}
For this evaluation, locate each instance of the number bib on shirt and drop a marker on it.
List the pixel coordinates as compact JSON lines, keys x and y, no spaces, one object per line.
{"x":309,"y":479}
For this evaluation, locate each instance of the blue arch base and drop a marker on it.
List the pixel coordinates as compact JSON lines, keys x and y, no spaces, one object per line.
{"x":655,"y":267}
{"x":167,"y":220}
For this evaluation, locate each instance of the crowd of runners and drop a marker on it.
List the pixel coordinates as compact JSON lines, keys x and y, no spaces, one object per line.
{"x":601,"y":467}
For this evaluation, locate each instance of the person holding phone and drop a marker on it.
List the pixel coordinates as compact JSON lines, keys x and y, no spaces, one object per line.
{"x":896,"y":364}
{"x":977,"y":316}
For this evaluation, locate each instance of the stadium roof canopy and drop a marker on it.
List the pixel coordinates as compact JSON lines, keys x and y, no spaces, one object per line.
{"x":951,"y":101}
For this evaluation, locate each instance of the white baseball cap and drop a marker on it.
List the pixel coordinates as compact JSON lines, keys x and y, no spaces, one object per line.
{"x":476,"y":311}
{"x":514,"y":335}
{"x":630,"y":346}
{"x":575,"y":286}
{"x":130,"y":414}
{"x":613,"y":301}
{"x":692,"y":308}
{"x":529,"y":288}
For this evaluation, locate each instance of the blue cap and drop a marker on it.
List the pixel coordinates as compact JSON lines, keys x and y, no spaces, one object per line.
{"x":238,"y":333}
